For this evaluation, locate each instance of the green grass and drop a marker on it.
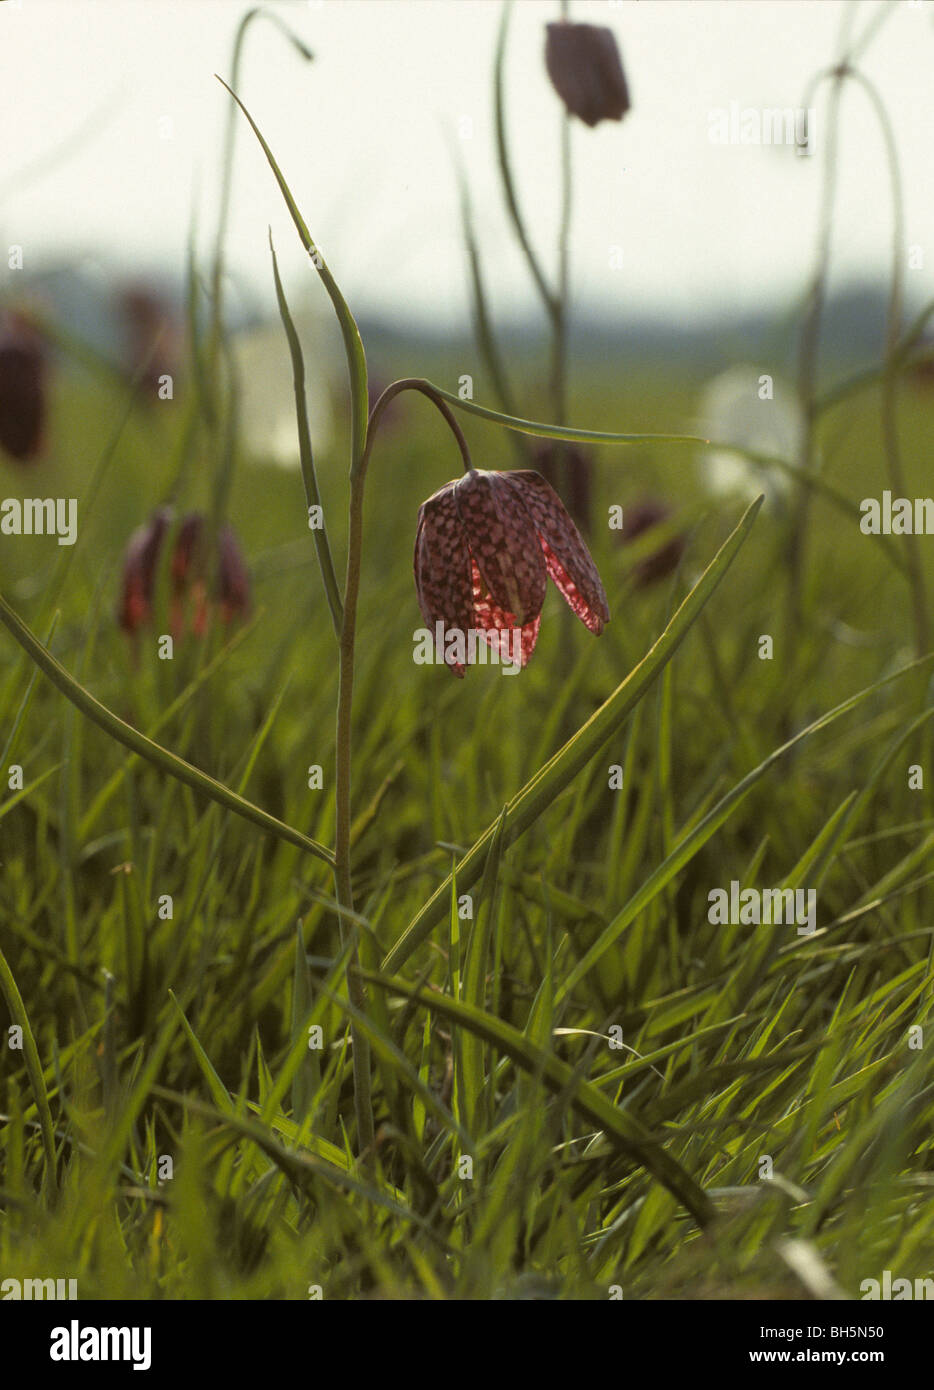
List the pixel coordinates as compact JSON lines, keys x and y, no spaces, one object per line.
{"x":187,"y":1036}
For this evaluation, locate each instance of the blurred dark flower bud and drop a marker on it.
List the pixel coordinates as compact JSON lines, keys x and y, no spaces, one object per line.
{"x":190,"y":600}
{"x":140,"y":562}
{"x":641,"y":517}
{"x":22,"y":389}
{"x":584,"y":65}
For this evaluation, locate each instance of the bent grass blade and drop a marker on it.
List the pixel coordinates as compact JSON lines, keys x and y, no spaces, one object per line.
{"x":154,"y":753}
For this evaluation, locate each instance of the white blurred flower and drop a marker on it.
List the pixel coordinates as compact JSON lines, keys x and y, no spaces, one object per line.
{"x":267,"y":395}
{"x":735,"y":409}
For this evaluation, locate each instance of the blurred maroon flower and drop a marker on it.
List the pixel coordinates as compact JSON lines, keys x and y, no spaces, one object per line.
{"x":484,"y":548}
{"x":22,"y":389}
{"x":584,"y":65}
{"x":638,"y":519}
{"x":189,"y":604}
{"x":186,"y":554}
{"x":569,"y":470}
{"x":140,"y":563}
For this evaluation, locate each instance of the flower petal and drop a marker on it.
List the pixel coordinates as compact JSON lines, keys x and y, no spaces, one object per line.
{"x":442,"y":566}
{"x":503,"y":543}
{"x":498,"y":626}
{"x":566,"y":556}
{"x":140,"y":563}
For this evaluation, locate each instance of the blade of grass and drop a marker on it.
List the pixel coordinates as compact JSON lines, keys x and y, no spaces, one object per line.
{"x":153,"y":752}
{"x":689,"y":845}
{"x":19,"y":1016}
{"x":312,"y":496}
{"x":353,"y":344}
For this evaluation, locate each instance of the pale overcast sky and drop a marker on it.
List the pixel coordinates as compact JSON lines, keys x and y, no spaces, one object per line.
{"x":124,"y":89}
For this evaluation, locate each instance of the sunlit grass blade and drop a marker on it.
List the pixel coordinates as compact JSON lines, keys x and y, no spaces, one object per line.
{"x":312,"y":496}
{"x":353,"y":344}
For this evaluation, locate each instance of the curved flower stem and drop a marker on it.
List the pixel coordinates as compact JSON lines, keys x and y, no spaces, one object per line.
{"x":356,"y":366}
{"x":415,"y":383}
{"x":363,"y":1103}
{"x":343,"y":797}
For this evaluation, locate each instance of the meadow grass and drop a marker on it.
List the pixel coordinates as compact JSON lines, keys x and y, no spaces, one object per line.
{"x":187,"y":1037}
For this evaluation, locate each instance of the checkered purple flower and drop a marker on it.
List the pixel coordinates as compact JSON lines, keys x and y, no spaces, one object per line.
{"x":484,"y":548}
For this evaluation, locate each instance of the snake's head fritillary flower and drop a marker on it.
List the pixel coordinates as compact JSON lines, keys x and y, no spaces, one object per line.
{"x":644,"y":516}
{"x":569,"y":469}
{"x":584,"y":65}
{"x":22,"y":389}
{"x":190,"y":600}
{"x":484,"y":548}
{"x":140,"y":563}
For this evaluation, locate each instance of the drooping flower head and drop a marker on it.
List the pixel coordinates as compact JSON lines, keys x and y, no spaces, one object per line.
{"x":584,"y":65}
{"x":484,"y":548}
{"x":22,"y":389}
